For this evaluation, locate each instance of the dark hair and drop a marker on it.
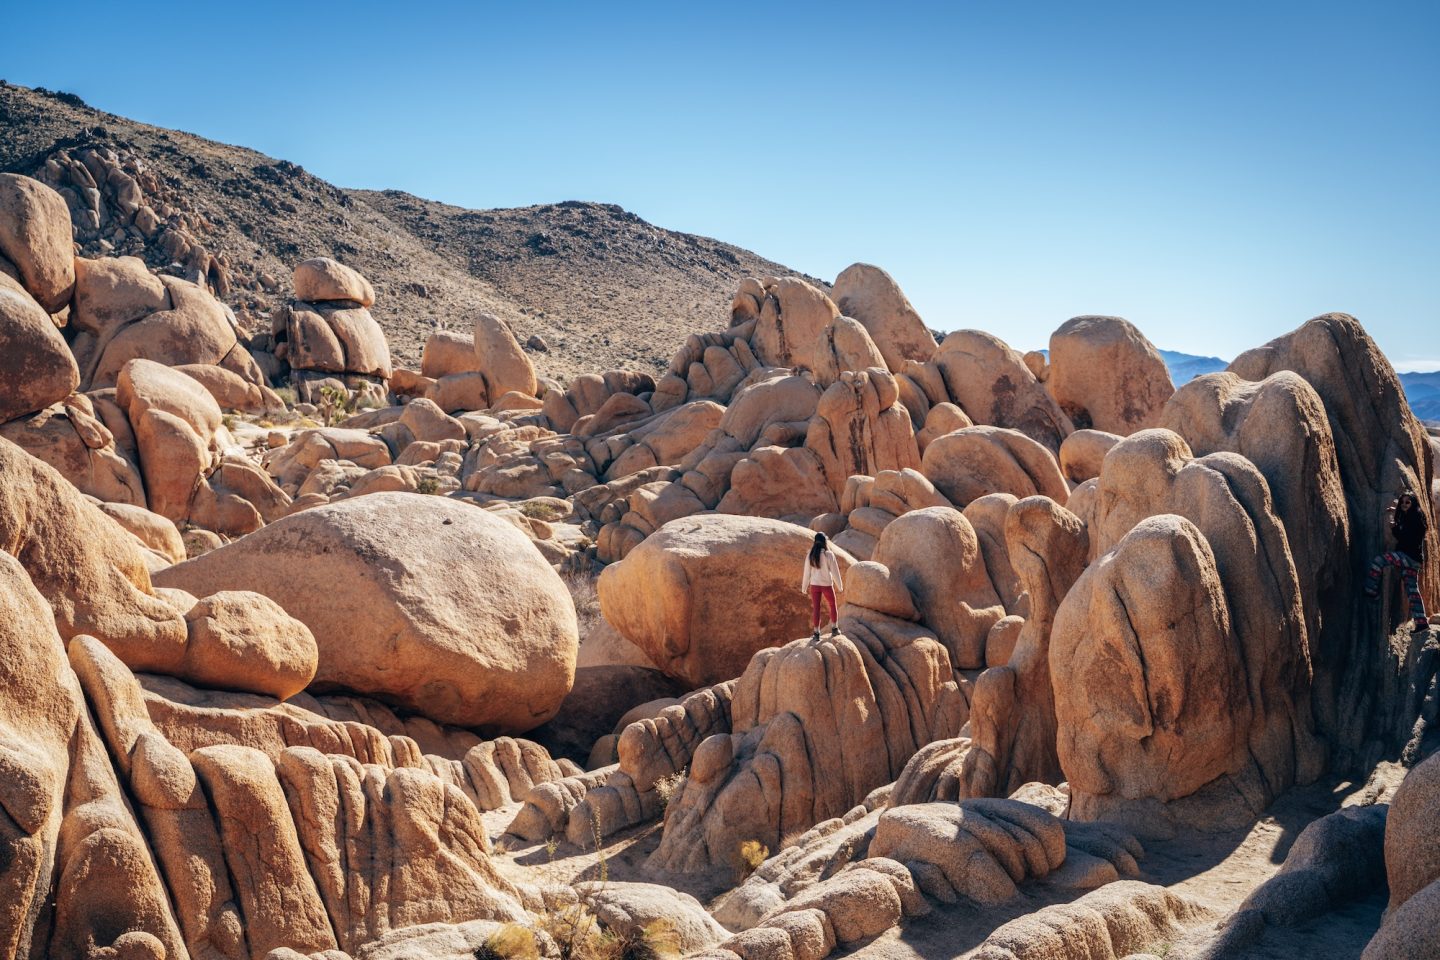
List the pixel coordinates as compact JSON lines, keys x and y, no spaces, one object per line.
{"x":817,"y":548}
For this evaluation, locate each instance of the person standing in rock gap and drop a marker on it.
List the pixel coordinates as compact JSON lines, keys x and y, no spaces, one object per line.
{"x":821,"y":577}
{"x":1409,"y":526}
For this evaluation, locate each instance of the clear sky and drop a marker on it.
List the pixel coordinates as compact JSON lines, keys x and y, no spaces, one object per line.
{"x":1215,"y":172}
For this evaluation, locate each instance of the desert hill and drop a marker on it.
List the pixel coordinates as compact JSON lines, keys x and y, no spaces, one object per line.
{"x":603,"y":288}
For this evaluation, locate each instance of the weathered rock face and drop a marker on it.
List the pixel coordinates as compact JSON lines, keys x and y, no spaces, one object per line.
{"x":75,"y":874}
{"x":501,"y":359}
{"x":976,"y":461}
{"x":36,"y":366}
{"x":35,"y":236}
{"x":993,"y":386}
{"x":1380,"y":449}
{"x":179,"y":438}
{"x":703,"y":594}
{"x":92,"y":573}
{"x":1280,"y":425}
{"x":968,"y":849}
{"x":1083,"y":452}
{"x":789,"y":315}
{"x":1198,"y":719}
{"x":818,"y":724}
{"x":844,"y":345}
{"x":268,"y":843}
{"x":192,"y":327}
{"x":1227,"y":498}
{"x":1186,"y":722}
{"x":1412,"y":851}
{"x":447,"y":353}
{"x":871,"y":296}
{"x":1105,"y":375}
{"x":936,"y":556}
{"x":70,"y":438}
{"x":1111,"y":923}
{"x":114,"y":291}
{"x":446,"y":609}
{"x":334,"y":337}
{"x":1012,"y":711}
{"x":175,"y":422}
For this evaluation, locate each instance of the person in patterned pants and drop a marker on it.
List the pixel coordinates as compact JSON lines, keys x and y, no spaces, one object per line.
{"x":1409,"y":526}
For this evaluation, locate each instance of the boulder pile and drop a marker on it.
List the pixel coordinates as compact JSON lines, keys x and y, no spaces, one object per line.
{"x":275,"y":615}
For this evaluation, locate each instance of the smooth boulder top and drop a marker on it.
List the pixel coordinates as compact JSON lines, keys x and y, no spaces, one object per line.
{"x":321,"y":279}
{"x":702,"y":594}
{"x":425,"y":602}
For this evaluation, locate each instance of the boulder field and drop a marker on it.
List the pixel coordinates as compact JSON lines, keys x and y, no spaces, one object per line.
{"x":307,"y":655}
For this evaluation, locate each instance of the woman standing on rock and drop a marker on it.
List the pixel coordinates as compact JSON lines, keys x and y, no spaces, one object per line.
{"x":1409,"y":527}
{"x":821,"y":577}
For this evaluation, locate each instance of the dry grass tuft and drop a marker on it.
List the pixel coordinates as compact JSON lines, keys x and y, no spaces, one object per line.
{"x":587,"y":601}
{"x":510,"y":942}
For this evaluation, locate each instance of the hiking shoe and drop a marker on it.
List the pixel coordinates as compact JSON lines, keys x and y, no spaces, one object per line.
{"x":834,"y":632}
{"x":816,"y":634}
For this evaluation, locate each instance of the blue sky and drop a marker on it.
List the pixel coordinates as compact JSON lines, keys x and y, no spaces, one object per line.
{"x":1217,"y":173}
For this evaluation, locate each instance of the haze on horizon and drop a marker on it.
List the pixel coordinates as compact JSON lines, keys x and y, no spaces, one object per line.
{"x":1215,"y":174}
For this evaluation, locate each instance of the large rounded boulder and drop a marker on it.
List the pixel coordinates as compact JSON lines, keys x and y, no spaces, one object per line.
{"x":424,"y":602}
{"x":35,"y":236}
{"x":702,"y":594}
{"x":1107,"y":376}
{"x":872,"y":296}
{"x":36,"y":366}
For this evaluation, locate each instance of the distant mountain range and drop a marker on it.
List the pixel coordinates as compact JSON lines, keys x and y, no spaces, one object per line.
{"x":1421,"y":389}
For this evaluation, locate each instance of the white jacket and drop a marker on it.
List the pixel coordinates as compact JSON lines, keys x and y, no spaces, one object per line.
{"x":825,"y":575}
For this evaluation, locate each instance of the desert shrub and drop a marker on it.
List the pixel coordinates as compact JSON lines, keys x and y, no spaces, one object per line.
{"x":656,"y":940}
{"x":540,"y":510}
{"x":752,"y":854}
{"x":428,"y":485}
{"x":575,"y":931}
{"x":510,"y":942}
{"x":335,"y":404}
{"x":667,"y":787}
{"x":287,"y":395}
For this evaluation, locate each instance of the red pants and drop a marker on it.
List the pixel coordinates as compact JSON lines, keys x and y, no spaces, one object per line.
{"x":815,"y":594}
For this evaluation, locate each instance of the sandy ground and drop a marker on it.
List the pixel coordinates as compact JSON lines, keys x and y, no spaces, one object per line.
{"x":1218,"y":871}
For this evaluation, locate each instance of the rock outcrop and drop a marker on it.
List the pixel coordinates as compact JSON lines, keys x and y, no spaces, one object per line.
{"x":816,"y":725}
{"x":1012,"y":711}
{"x":76,"y":873}
{"x":420,"y":601}
{"x":871,"y":296}
{"x":703,"y":594}
{"x":333,"y":336}
{"x":1380,"y":449}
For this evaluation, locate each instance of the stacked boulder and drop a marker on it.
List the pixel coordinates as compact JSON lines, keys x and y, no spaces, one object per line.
{"x":327,"y":337}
